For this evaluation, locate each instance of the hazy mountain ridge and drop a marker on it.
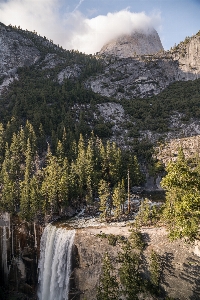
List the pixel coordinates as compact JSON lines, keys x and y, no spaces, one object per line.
{"x":117,"y":79}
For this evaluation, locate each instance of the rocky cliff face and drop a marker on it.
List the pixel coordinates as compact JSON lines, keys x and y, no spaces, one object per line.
{"x":181,"y":261}
{"x":20,"y":253}
{"x":128,"y":75}
{"x":15,"y":51}
{"x":168,"y":151}
{"x":141,"y":76}
{"x":187,"y":54}
{"x":138,"y":43}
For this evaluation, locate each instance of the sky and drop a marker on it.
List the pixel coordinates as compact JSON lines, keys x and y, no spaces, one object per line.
{"x":86,"y":25}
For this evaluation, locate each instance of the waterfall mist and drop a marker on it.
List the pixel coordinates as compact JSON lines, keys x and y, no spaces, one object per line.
{"x":55,"y":263}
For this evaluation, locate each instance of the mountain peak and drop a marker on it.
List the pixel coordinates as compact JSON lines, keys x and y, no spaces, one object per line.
{"x":138,"y":43}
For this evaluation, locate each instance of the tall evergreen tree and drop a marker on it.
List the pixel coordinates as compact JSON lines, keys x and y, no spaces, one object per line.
{"x":182,"y":207}
{"x":104,"y":196}
{"x":2,"y":143}
{"x":108,"y":287}
{"x":119,"y":198}
{"x":130,"y":273}
{"x":8,"y":193}
{"x":55,"y":184}
{"x":25,"y":207}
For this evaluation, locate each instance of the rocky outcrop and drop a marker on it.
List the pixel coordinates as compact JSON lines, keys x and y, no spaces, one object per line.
{"x":187,"y":53}
{"x":19,"y":253}
{"x":181,"y":261}
{"x":138,"y":43}
{"x":141,"y":76}
{"x":130,"y":76}
{"x":168,"y":151}
{"x":15,"y":51}
{"x":69,"y":72}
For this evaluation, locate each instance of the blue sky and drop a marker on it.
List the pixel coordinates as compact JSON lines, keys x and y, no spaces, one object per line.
{"x":88,"y":24}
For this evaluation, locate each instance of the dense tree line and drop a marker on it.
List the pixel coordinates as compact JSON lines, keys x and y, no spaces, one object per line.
{"x":35,"y":180}
{"x":181,"y":211}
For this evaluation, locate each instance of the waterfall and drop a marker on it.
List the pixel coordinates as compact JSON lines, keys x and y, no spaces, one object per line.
{"x":55,"y":263}
{"x":4,"y":240}
{"x":4,"y":255}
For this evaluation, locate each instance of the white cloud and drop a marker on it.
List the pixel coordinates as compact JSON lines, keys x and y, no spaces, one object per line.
{"x":91,"y":34}
{"x":73,"y":30}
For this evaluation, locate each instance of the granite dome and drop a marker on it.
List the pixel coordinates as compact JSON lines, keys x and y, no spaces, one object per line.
{"x":138,"y":43}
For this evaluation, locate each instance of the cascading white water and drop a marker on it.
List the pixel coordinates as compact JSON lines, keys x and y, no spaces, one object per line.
{"x":4,"y":255}
{"x":4,"y":240}
{"x":55,"y":263}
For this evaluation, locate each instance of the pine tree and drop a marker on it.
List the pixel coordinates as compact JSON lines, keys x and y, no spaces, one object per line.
{"x":135,"y":172}
{"x":129,"y":272}
{"x":131,"y":268}
{"x":89,"y":194}
{"x":115,"y":163}
{"x":16,"y":170}
{"x":50,"y":186}
{"x":55,"y":184}
{"x":181,"y":211}
{"x":35,"y":194}
{"x":41,"y":139}
{"x":60,"y":152}
{"x":108,"y":287}
{"x":25,"y":208}
{"x":110,"y":162}
{"x":155,"y":268}
{"x":30,"y":134}
{"x":80,"y":168}
{"x":8,"y":193}
{"x":64,"y":184}
{"x":119,"y":197}
{"x":104,"y":196}
{"x":2,"y":143}
{"x":22,"y":141}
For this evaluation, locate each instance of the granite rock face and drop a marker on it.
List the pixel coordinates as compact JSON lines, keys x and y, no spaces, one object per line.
{"x":181,"y":261}
{"x":138,"y":43}
{"x":141,"y":76}
{"x":141,"y":73}
{"x":15,"y":51}
{"x":187,"y":53}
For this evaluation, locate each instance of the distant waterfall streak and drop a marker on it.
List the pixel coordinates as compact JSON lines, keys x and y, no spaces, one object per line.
{"x":5,"y":235}
{"x":4,"y":255}
{"x":55,"y":263}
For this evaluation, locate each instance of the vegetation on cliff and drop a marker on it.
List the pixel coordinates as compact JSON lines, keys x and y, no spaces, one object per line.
{"x":130,"y":275}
